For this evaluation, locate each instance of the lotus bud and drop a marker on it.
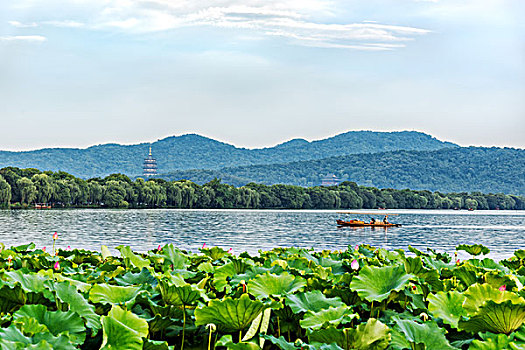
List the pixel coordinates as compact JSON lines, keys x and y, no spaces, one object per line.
{"x":158,"y":248}
{"x":203,"y":246}
{"x":68,"y":247}
{"x":55,"y":236}
{"x":44,"y":249}
{"x":356,"y":247}
{"x":57,"y":266}
{"x":457,"y":262}
{"x":230,"y":250}
{"x":354,"y":265}
{"x":503,"y":288}
{"x":9,"y":259}
{"x":243,"y":286}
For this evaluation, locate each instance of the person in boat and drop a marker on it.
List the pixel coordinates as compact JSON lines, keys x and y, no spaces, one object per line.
{"x":385,"y":220}
{"x":373,"y":221}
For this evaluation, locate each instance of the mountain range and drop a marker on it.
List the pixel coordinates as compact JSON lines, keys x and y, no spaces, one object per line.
{"x":193,"y":151}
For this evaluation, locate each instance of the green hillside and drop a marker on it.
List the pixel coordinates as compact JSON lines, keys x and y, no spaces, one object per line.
{"x":197,"y":152}
{"x":488,"y":170}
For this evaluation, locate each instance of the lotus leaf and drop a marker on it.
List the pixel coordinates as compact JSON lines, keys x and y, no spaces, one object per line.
{"x":311,"y":301}
{"x":504,"y":317}
{"x":330,"y":316}
{"x":376,"y":283}
{"x":447,"y":306}
{"x":77,"y":303}
{"x":227,"y":342}
{"x":230,"y":315}
{"x":57,"y":322}
{"x":264,"y":286}
{"x":123,"y":330}
{"x":144,"y":278}
{"x":495,"y":342}
{"x":228,"y":271}
{"x":467,"y":274}
{"x":133,"y":258}
{"x":13,"y":338}
{"x":156,"y":345}
{"x":372,"y":335}
{"x":215,"y":253}
{"x":174,"y":256}
{"x":473,"y":249}
{"x":104,"y":250}
{"x":478,"y":294}
{"x":174,"y":295}
{"x":11,"y":298}
{"x":427,"y":333}
{"x":116,"y":295}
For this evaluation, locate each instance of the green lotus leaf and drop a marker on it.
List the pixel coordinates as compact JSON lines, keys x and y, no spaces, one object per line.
{"x":115,"y":295}
{"x":372,"y":335}
{"x":174,"y":256}
{"x":467,"y":274}
{"x":268,"y":284}
{"x":229,"y":270}
{"x":175,"y":295}
{"x":57,"y":322}
{"x":77,"y":303}
{"x":30,"y":282}
{"x":429,"y":334}
{"x":123,"y":330}
{"x":414,"y":265}
{"x":282,"y":344}
{"x":504,"y":317}
{"x":447,"y":306}
{"x":215,"y":253}
{"x":488,"y":264}
{"x":144,"y":278}
{"x":24,"y":248}
{"x":473,"y":249}
{"x":227,"y":342}
{"x":133,"y":258}
{"x":313,"y":301}
{"x":376,"y":283}
{"x":330,"y":316}
{"x":13,"y":338}
{"x":478,"y":294}
{"x":230,"y":315}
{"x":11,"y":298}
{"x":156,"y":345}
{"x":160,"y":323}
{"x":493,"y":342}
{"x":520,"y":253}
{"x":104,"y":251}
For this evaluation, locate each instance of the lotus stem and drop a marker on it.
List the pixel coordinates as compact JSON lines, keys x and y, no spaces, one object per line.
{"x":372,"y":309}
{"x":278,"y":328}
{"x":240,"y":335}
{"x":209,"y":340}
{"x":183,"y":326}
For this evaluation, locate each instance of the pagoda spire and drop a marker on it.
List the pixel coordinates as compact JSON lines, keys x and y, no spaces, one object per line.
{"x":150,"y":165}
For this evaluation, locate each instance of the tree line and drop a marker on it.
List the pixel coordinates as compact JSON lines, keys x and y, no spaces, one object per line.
{"x":22,"y":188}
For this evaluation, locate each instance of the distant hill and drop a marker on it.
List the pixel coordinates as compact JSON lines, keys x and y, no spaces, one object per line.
{"x":197,"y":152}
{"x":488,"y":170}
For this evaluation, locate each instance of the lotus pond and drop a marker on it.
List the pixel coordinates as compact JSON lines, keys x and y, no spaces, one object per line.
{"x":285,"y":298}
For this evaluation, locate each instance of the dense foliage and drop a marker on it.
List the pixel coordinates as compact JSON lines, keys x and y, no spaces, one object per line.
{"x":198,"y":152}
{"x":23,"y":187}
{"x":286,"y":298}
{"x":446,"y":170}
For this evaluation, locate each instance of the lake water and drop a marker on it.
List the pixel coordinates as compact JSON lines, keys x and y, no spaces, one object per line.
{"x":251,"y":230}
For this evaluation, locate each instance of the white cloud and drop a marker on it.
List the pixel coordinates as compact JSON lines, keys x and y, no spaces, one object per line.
{"x":303,"y":22}
{"x":18,"y":24}
{"x":23,"y":38}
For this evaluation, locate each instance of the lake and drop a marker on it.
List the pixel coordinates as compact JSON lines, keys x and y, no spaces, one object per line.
{"x":251,"y":230}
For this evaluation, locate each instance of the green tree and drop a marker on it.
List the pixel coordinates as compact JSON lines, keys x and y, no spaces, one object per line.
{"x":114,"y":194}
{"x":5,"y":193}
{"x":28,"y":191}
{"x":44,"y":186}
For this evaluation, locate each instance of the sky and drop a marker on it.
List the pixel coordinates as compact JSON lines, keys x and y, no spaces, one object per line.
{"x":255,"y":73}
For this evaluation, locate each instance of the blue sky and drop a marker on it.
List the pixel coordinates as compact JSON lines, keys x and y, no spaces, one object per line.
{"x":258,"y":72}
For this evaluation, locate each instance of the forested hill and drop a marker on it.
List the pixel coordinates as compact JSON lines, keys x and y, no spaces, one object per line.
{"x":489,"y":170}
{"x":197,"y":152}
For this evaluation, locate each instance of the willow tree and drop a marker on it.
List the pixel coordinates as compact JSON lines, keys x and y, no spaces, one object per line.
{"x":5,"y":193}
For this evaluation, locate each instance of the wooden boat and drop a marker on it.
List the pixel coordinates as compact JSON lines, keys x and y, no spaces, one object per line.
{"x":359,"y":223}
{"x":42,"y":206}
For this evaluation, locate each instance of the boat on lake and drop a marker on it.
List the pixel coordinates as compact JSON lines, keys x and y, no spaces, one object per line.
{"x":372,"y":223}
{"x":359,"y":223}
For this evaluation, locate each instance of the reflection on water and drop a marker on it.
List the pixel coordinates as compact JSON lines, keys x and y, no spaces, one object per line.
{"x":251,"y":230}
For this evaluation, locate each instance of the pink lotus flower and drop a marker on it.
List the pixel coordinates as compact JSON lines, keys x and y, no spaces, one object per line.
{"x":68,"y":247}
{"x":356,"y":247}
{"x":457,"y":262}
{"x":203,"y":246}
{"x":503,"y":288}
{"x":44,"y":249}
{"x":354,"y":265}
{"x":55,"y":236}
{"x":158,"y":248}
{"x":230,"y":250}
{"x":57,"y":266}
